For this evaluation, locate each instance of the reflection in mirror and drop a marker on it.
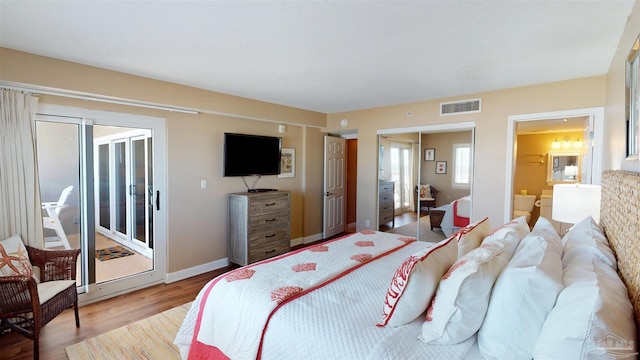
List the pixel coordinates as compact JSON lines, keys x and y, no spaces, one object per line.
{"x":563,"y":168}
{"x":633,"y":99}
{"x":398,"y":169}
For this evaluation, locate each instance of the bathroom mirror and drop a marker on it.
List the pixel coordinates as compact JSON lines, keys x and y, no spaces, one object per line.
{"x":563,"y":168}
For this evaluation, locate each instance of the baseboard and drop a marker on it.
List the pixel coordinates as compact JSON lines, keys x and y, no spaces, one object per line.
{"x":306,"y":239}
{"x":196,"y":270}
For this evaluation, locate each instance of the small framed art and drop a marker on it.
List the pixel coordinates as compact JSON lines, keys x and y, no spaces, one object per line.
{"x":429,"y":154}
{"x":441,"y":167}
{"x":287,"y":163}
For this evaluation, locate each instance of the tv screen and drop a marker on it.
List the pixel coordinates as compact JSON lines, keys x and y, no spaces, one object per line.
{"x":251,"y":155}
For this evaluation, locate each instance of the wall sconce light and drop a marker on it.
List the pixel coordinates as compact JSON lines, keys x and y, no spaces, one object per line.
{"x":555,"y":144}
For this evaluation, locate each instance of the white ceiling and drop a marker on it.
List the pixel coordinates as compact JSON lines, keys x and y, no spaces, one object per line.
{"x":327,"y":56}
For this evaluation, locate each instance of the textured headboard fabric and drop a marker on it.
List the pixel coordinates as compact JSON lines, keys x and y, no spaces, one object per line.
{"x":620,"y":220}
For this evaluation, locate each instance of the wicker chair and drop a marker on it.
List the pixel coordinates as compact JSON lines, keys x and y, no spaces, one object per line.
{"x":428,"y":202}
{"x":21,"y":309}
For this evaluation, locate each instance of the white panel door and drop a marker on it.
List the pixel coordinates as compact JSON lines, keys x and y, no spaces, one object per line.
{"x":334,"y":183}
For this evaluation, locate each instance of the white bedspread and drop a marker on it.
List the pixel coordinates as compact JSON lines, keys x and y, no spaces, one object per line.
{"x":338,"y":321}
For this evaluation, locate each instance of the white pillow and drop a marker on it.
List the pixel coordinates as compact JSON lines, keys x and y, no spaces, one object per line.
{"x":519,"y":225}
{"x":458,"y":308}
{"x":592,"y":318}
{"x":16,"y":257}
{"x":415,"y":282}
{"x":584,"y":241}
{"x":471,"y":236}
{"x":523,"y":296}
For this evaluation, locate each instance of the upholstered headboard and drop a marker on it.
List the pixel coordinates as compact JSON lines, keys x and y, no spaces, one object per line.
{"x":620,"y":220}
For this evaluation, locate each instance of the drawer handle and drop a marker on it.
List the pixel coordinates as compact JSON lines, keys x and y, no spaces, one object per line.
{"x":270,"y":251}
{"x":270,"y":204}
{"x":270,"y":236}
{"x":270,"y":220}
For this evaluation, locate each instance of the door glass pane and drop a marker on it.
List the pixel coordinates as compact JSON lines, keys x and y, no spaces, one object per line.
{"x":150,"y":191}
{"x":58,"y":159}
{"x":139,"y":189}
{"x":406,"y":175}
{"x":103,"y":196}
{"x":121,"y":186}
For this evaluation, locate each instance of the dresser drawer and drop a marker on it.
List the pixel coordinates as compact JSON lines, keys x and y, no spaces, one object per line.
{"x":265,"y":251}
{"x":257,"y":238}
{"x":386,"y":217}
{"x":278,"y":219}
{"x":386,"y":187}
{"x":269,"y":204}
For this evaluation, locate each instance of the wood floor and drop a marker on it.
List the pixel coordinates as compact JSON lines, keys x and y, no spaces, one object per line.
{"x":100,"y":317}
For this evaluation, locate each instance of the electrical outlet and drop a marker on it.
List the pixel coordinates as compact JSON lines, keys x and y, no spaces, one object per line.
{"x":203,"y":184}
{"x":366,"y":223}
{"x":76,"y":219}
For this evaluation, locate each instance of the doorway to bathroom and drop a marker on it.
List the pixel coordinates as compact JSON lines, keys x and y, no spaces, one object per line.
{"x":548,"y":149}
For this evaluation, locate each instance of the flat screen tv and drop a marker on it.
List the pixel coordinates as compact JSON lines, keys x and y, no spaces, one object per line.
{"x":251,"y":155}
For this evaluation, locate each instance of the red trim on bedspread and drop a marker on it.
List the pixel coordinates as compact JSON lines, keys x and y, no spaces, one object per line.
{"x":458,"y":220}
{"x":199,"y":350}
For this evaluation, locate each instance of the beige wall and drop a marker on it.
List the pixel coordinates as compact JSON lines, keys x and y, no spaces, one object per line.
{"x":196,"y":217}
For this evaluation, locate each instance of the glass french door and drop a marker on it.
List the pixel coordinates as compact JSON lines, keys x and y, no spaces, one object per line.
{"x":113,"y":213}
{"x":124,"y":179}
{"x":401,"y":173}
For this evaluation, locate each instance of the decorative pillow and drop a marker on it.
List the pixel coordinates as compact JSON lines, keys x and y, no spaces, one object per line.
{"x":471,"y":236}
{"x":584,"y":241}
{"x":415,"y":282}
{"x":592,"y":317}
{"x":519,"y":225}
{"x":523,"y":296}
{"x":15,"y":260}
{"x":425,"y":191}
{"x":458,"y":308}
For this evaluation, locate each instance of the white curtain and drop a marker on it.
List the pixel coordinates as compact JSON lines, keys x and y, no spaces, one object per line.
{"x":20,"y":206}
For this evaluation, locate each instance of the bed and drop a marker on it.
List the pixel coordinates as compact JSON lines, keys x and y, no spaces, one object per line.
{"x":375,"y":295}
{"x":456,"y":216}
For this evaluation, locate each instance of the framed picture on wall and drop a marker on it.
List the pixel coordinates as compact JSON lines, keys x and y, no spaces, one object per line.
{"x":429,"y":154}
{"x":441,"y":167}
{"x":287,"y":163}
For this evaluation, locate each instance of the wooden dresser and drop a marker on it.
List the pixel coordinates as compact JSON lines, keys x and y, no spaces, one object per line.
{"x":258,"y":226}
{"x":386,"y":203}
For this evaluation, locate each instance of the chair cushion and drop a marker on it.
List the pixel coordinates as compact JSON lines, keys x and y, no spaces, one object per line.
{"x":49,"y":289}
{"x":425,"y":192}
{"x":14,"y":259}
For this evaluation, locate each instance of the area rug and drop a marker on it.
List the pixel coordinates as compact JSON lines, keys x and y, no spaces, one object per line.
{"x":426,"y":234}
{"x":150,"y":338}
{"x":113,"y":252}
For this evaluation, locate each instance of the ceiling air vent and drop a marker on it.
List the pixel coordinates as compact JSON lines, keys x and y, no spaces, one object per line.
{"x":461,"y":107}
